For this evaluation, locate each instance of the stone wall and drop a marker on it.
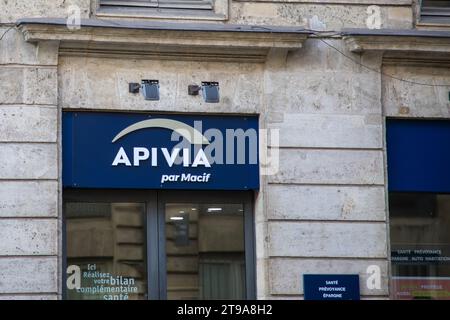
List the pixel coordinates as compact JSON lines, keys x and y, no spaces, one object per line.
{"x":29,"y":169}
{"x":324,"y":211}
{"x":318,"y":14}
{"x":326,"y":206}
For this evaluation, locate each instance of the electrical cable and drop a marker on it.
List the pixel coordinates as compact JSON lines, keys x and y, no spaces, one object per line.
{"x":6,"y":31}
{"x":331,"y":33}
{"x":319,"y":34}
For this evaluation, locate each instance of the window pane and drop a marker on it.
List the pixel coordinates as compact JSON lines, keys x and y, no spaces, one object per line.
{"x":420,"y":244}
{"x":106,"y":251}
{"x":205,"y":251}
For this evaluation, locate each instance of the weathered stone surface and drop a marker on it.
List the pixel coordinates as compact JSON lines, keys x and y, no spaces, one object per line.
{"x":330,"y":131}
{"x":327,"y":239}
{"x":323,"y":54}
{"x":11,"y":86}
{"x":28,"y":124}
{"x":294,"y":202}
{"x":328,"y":17}
{"x":103,"y":84}
{"x":11,"y":11}
{"x":28,"y":198}
{"x":28,"y":85}
{"x":29,"y":275}
{"x":41,"y":85}
{"x":28,"y":237}
{"x":14,"y":50}
{"x":290,"y":281}
{"x":329,"y":167}
{"x":402,"y":99}
{"x":28,"y":161}
{"x":322,"y":92}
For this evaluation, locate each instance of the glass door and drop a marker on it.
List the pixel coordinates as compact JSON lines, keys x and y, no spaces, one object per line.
{"x":129,"y":244}
{"x":206,"y":245}
{"x":205,"y":254}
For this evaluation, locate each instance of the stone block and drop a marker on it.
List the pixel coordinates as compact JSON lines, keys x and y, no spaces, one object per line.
{"x":28,"y":85}
{"x":328,"y":239}
{"x":28,"y":237}
{"x":28,"y":199}
{"x":329,"y":167}
{"x":26,"y":275}
{"x":28,"y":161}
{"x":330,"y":131}
{"x":294,"y":202}
{"x":28,"y":124}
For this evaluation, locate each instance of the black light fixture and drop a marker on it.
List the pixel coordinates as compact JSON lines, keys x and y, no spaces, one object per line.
{"x":210,"y":91}
{"x":134,"y":87}
{"x":194,"y":89}
{"x":150,"y":89}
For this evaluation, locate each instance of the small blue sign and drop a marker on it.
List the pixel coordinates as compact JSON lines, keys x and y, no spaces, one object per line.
{"x":160,"y":151}
{"x":331,"y":286}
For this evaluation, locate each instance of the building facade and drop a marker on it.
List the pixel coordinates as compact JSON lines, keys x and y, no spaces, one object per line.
{"x":350,"y":102}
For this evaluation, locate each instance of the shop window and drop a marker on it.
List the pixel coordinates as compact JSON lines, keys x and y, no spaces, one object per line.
{"x":106,"y":251}
{"x":435,"y":11}
{"x":419,"y":208}
{"x":420,"y":245}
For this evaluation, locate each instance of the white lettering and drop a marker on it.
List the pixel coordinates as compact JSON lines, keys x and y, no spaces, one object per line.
{"x":74,"y":280}
{"x":201,"y":159}
{"x":186,"y":157}
{"x":170,"y":158}
{"x":121,"y":158}
{"x":374,"y":279}
{"x":154,"y":157}
{"x":140,"y":154}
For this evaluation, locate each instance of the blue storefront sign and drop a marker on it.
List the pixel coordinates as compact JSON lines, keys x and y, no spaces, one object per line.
{"x":418,"y":155}
{"x":160,"y":151}
{"x":331,"y":286}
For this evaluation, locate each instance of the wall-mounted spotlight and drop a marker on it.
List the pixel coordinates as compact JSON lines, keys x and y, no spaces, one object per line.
{"x":150,"y":89}
{"x":194,"y":89}
{"x":210,"y":91}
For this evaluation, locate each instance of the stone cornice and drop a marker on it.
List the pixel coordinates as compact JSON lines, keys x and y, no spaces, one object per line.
{"x":408,"y":41}
{"x":181,"y":41}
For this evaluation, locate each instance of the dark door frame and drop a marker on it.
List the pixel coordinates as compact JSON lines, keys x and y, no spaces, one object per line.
{"x":155,"y":201}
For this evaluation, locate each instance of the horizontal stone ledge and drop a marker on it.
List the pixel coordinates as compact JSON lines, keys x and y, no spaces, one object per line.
{"x":181,"y":41}
{"x":392,"y":40}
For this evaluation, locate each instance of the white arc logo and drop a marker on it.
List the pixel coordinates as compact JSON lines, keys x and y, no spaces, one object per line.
{"x":191,"y":134}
